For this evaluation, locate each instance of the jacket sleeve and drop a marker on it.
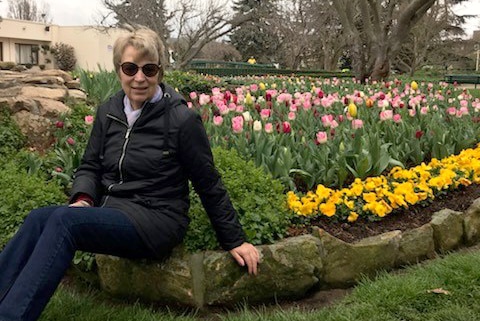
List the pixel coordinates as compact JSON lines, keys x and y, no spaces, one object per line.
{"x":87,"y":175}
{"x":196,"y":158}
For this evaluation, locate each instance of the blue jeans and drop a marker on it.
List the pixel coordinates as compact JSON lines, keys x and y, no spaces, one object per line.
{"x":35,"y":260}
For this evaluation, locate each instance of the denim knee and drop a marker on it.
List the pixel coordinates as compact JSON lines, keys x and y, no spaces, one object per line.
{"x":39,"y":217}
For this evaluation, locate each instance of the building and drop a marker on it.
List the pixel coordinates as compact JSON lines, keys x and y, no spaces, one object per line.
{"x":28,"y":43}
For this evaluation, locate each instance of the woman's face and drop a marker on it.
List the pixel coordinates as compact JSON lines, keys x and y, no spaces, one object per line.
{"x":138,"y":87}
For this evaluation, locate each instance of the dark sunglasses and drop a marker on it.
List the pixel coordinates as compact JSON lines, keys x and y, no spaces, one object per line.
{"x":131,"y":69}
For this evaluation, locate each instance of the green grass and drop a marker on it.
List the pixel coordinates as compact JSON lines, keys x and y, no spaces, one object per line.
{"x":396,"y":296}
{"x":475,"y":92}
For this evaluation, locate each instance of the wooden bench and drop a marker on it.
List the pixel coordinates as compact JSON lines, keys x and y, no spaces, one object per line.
{"x":463,"y":79}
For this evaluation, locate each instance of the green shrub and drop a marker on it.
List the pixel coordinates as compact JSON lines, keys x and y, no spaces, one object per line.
{"x":64,"y":55}
{"x":22,"y":192}
{"x":11,"y":138}
{"x":7,"y":65}
{"x":187,"y":82}
{"x":258,"y":199}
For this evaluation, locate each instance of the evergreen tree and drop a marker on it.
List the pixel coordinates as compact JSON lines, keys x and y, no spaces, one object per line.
{"x":255,"y":38}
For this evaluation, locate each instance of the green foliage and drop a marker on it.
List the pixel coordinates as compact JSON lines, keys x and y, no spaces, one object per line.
{"x":187,"y":82}
{"x":22,"y":192}
{"x":99,"y":86}
{"x":71,"y":137}
{"x":64,"y":55}
{"x":7,"y":65}
{"x":11,"y":139}
{"x":254,"y":38}
{"x":258,"y":199}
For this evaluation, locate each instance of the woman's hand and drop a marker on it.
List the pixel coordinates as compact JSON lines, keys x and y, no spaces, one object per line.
{"x":81,"y":203}
{"x":246,"y":254}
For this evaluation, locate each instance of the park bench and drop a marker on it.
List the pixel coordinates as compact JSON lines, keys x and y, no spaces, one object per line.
{"x":463,"y":79}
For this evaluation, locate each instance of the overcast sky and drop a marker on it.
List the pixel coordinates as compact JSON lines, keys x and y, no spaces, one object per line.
{"x":88,"y":12}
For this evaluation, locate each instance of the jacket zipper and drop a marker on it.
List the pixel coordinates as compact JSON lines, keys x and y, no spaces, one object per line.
{"x":124,"y":150}
{"x":122,"y":156}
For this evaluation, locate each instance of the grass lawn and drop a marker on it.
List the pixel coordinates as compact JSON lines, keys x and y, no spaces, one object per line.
{"x":447,"y":288}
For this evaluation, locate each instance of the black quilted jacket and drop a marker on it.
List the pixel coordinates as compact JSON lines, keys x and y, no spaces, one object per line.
{"x":144,"y":171}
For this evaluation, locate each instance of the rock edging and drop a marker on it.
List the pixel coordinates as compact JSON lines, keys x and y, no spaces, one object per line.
{"x":289,"y":268}
{"x":37,"y":99}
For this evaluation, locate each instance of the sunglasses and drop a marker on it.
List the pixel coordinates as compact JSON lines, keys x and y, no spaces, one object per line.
{"x":131,"y":69}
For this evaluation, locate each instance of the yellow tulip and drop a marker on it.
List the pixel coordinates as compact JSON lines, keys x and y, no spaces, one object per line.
{"x":414,"y":85}
{"x":262,"y":86}
{"x":248,"y":99}
{"x":352,"y":110}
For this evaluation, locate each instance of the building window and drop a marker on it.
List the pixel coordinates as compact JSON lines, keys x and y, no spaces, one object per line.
{"x":26,"y":54}
{"x":1,"y":51}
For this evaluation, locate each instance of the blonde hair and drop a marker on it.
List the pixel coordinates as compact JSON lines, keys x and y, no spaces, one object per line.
{"x":146,"y":41}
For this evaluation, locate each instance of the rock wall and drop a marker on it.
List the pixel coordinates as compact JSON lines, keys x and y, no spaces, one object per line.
{"x":289,"y":268}
{"x":37,"y":99}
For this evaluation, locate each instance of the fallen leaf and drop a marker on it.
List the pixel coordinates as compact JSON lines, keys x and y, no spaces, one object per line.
{"x":439,"y":291}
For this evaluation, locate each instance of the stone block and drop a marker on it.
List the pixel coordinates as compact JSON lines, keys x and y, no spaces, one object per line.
{"x":447,"y":230}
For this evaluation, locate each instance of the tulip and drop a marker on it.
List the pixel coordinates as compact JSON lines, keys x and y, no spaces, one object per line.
{"x":369,"y":103}
{"x":237,"y":124}
{"x":70,"y":141}
{"x":262,"y":86}
{"x":352,"y":110}
{"x":286,"y":128}
{"x":248,"y":99}
{"x":414,"y":85}
{"x":217,"y":120}
{"x":59,"y":124}
{"x":246,"y":115}
{"x":357,"y":123}
{"x":268,"y":128}
{"x":321,"y":137}
{"x":88,"y":119}
{"x":257,"y":125}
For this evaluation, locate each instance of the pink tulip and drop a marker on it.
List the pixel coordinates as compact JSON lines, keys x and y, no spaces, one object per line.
{"x":193,"y":95}
{"x":292,"y":115}
{"x":265,"y":113}
{"x":356,"y":124}
{"x":397,"y":118}
{"x":268,"y":128}
{"x":204,"y":99}
{"x":70,"y":141}
{"x":217,"y":120}
{"x":386,"y":115}
{"x":451,"y":111}
{"x":322,"y":137}
{"x":88,"y":119}
{"x":237,"y":124}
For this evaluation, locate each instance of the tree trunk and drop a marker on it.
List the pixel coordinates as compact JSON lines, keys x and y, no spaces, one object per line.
{"x":381,"y":66}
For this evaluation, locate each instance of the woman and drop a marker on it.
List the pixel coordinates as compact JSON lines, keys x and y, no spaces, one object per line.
{"x":130,"y":193}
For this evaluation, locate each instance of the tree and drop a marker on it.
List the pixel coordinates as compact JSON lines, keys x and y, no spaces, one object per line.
{"x":309,"y":34}
{"x":433,"y":40}
{"x":220,"y":52}
{"x":133,"y":13}
{"x":28,"y":10}
{"x":255,"y":38}
{"x":376,"y":30}
{"x":194,"y":23}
